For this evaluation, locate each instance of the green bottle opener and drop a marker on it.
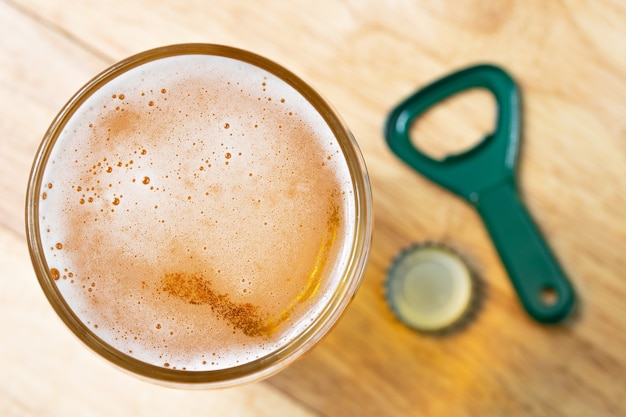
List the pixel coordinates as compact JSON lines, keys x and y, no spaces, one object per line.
{"x":485,"y":177}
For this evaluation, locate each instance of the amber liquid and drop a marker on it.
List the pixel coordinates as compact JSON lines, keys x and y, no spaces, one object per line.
{"x":195,"y":212}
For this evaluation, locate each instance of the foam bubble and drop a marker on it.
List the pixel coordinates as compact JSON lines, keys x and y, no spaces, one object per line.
{"x":196,"y":211}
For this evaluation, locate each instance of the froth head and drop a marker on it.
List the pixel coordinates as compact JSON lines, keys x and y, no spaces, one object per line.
{"x":198,"y":214}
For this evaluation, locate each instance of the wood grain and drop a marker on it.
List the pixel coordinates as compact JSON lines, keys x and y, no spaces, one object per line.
{"x":569,"y":58}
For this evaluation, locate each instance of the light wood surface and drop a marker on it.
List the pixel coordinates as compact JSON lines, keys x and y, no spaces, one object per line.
{"x":569,"y":58}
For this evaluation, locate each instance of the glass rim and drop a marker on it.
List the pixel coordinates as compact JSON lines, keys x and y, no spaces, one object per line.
{"x":274,"y":361}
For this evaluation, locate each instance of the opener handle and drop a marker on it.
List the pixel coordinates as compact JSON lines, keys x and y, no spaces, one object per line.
{"x":541,"y":285}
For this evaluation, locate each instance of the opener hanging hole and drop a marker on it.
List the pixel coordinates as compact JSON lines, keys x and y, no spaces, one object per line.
{"x":548,"y":296}
{"x":456,"y":124}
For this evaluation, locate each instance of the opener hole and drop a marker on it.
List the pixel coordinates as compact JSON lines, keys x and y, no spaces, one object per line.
{"x":456,"y":124}
{"x":548,"y":296}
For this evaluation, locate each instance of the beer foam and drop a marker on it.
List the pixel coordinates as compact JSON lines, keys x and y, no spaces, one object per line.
{"x":195,"y":212}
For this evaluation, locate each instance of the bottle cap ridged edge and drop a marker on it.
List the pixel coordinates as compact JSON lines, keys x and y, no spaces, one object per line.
{"x":472,"y":307}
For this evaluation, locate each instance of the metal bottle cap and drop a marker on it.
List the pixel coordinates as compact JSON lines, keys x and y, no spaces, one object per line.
{"x":430,"y":288}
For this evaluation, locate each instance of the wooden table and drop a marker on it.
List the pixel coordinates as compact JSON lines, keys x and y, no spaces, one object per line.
{"x":568,"y":56}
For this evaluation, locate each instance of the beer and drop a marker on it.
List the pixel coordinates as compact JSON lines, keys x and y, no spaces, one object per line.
{"x":198,"y":212}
